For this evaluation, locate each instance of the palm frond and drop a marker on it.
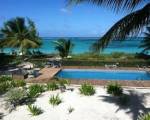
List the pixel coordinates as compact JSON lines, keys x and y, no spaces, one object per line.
{"x":63,"y":47}
{"x":146,"y":42}
{"x":21,"y":34}
{"x":131,"y":24}
{"x":116,"y":5}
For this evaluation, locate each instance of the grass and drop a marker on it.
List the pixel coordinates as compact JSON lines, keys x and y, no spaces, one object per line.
{"x":55,"y":100}
{"x":114,"y":89}
{"x":52,"y":86}
{"x":87,"y":89}
{"x":34,"y":110}
{"x":35,"y":90}
{"x":144,"y":116}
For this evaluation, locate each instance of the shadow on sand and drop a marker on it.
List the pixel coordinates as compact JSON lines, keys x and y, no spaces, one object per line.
{"x":134,"y":106}
{"x":1,"y":116}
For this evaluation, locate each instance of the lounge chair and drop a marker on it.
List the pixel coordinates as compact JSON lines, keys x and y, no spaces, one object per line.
{"x":111,"y":66}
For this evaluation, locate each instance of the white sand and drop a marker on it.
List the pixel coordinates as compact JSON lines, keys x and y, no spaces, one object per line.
{"x":85,"y":107}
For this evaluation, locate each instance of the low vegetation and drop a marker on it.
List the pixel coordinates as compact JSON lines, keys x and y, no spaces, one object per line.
{"x":52,"y":86}
{"x":114,"y":89}
{"x":35,"y":110}
{"x":15,"y":97}
{"x":19,"y":83}
{"x":7,"y":83}
{"x":55,"y":100}
{"x":70,"y":109}
{"x":144,"y":116}
{"x":87,"y":89}
{"x":35,"y":90}
{"x":63,"y":82}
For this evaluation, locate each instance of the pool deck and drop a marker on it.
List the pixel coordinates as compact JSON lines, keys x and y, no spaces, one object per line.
{"x":131,"y":83}
{"x":46,"y":74}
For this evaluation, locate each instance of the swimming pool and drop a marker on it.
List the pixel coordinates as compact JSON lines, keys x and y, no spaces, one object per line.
{"x":94,"y":74}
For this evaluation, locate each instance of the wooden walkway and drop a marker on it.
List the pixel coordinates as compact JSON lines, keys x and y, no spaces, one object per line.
{"x":46,"y":74}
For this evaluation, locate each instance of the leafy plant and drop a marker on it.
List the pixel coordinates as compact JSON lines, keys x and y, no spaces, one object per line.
{"x":55,"y":100}
{"x":35,"y":110}
{"x":64,"y":47}
{"x":87,"y":89}
{"x":35,"y":90}
{"x":5,"y":79}
{"x":144,"y":116}
{"x":20,"y":34}
{"x":4,"y":87}
{"x":19,"y":83}
{"x":5,"y":84}
{"x":130,"y":25}
{"x":114,"y":89}
{"x":70,"y":109}
{"x":63,"y":82}
{"x":52,"y":86}
{"x":146,"y":42}
{"x":16,"y":96}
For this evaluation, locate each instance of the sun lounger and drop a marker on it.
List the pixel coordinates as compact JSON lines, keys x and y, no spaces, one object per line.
{"x":110,"y":66}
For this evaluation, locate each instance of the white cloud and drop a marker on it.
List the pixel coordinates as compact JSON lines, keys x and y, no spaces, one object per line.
{"x":64,"y":10}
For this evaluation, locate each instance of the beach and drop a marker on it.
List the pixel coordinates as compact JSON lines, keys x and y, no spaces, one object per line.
{"x":100,"y":106}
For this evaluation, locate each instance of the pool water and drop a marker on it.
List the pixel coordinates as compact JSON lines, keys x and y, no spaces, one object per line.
{"x":93,"y":74}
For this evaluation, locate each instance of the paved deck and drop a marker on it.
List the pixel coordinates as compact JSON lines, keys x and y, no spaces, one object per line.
{"x":46,"y":74}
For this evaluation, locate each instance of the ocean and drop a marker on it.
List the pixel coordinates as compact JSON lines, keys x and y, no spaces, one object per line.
{"x":83,"y":44}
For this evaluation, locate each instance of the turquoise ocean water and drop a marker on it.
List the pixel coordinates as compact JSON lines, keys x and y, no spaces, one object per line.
{"x":82,"y":45}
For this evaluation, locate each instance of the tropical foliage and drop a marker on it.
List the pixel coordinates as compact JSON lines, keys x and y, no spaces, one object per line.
{"x":87,"y":89}
{"x":63,"y":47}
{"x":131,"y":24}
{"x":20,"y":33}
{"x":144,"y":116}
{"x":55,"y":100}
{"x":35,"y":90}
{"x":35,"y":110}
{"x":146,"y":42}
{"x":114,"y":89}
{"x":16,"y":96}
{"x":52,"y":86}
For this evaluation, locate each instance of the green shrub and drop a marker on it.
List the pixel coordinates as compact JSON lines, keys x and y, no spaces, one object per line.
{"x":144,"y":116}
{"x":122,"y":63}
{"x":118,"y":54}
{"x":16,"y":96}
{"x":55,"y":100}
{"x":5,"y":79}
{"x":19,"y":83}
{"x":114,"y":89}
{"x":87,"y":89}
{"x":63,"y":82}
{"x":52,"y":86}
{"x":35,"y":90}
{"x":35,"y":110}
{"x":4,"y":86}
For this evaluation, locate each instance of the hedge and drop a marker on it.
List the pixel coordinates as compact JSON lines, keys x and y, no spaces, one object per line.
{"x":123,"y":63}
{"x":103,"y":63}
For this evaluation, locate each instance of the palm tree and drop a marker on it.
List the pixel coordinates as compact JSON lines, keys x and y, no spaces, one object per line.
{"x":131,"y":24}
{"x":146,"y":42}
{"x":64,"y":47}
{"x":21,"y":34}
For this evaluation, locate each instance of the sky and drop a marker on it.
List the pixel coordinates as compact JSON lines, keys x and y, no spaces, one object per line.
{"x":54,"y":19}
